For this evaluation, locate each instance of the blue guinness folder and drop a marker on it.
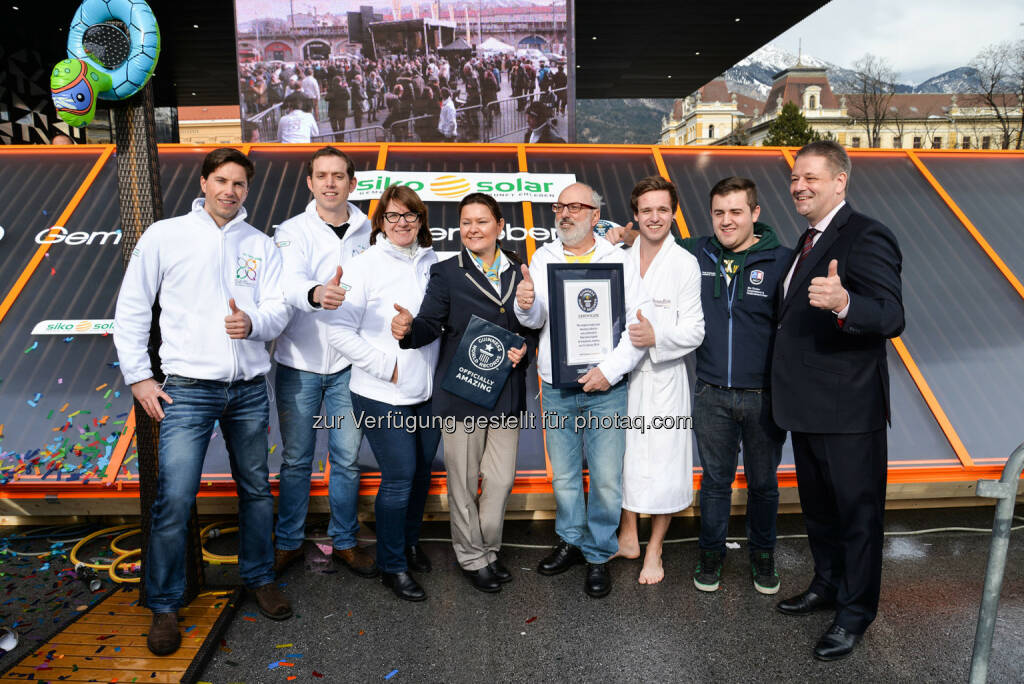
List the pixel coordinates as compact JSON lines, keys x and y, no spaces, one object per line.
{"x":481,"y":367}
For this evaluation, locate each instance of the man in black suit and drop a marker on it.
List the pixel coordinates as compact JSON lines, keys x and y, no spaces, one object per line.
{"x":839,"y":303}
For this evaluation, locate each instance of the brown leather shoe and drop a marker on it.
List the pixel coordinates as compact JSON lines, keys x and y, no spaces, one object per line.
{"x":358,"y":561}
{"x":285,"y":557}
{"x":272,"y":602}
{"x":163,"y":637}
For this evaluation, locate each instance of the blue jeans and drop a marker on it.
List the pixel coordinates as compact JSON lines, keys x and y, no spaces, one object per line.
{"x":404,"y":458}
{"x":722,"y":419}
{"x":300,"y":395}
{"x":591,"y":524}
{"x":244,"y":414}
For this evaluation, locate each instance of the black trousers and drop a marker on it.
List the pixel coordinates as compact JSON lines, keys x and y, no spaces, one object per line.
{"x":841,"y":480}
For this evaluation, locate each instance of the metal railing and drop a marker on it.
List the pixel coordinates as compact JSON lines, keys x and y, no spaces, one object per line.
{"x":478,"y":123}
{"x":266,"y":123}
{"x":1004,"y":489}
{"x":366,"y":134}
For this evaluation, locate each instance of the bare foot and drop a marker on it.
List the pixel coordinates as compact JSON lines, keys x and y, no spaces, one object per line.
{"x":652,"y":572}
{"x":628,"y":548}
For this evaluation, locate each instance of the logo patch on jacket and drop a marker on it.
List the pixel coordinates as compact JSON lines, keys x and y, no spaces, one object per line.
{"x":756,"y":276}
{"x":247,"y":270}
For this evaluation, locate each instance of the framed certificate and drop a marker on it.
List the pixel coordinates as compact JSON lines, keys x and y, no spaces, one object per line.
{"x":587,"y":315}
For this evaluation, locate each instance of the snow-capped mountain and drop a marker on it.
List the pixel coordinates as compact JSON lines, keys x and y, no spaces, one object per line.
{"x":959,"y":80}
{"x":752,"y":76}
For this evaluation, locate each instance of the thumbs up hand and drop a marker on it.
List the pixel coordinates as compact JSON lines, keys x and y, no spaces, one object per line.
{"x":401,"y":324}
{"x":828,"y":293}
{"x":238,"y":324}
{"x":641,"y":333}
{"x":524,"y":292}
{"x":331,"y":294}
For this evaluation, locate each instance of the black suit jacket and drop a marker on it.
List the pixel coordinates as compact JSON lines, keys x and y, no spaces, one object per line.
{"x":455,"y":292}
{"x":828,"y":378}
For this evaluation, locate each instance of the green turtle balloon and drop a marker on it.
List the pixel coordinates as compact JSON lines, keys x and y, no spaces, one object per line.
{"x":113,"y":47}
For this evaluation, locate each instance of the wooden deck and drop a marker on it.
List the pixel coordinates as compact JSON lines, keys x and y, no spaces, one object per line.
{"x":108,"y":643}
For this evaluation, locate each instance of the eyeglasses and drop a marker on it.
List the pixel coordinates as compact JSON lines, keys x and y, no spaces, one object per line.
{"x":573,"y":207}
{"x":393,"y":216}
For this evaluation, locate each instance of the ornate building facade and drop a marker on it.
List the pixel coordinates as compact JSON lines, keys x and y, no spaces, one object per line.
{"x":715,"y":116}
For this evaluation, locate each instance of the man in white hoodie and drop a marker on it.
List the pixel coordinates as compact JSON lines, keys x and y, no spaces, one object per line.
{"x":217,"y":281}
{"x":586,"y":528}
{"x":314,"y":248}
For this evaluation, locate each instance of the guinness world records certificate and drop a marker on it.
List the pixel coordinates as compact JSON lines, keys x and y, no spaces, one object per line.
{"x":587,"y":317}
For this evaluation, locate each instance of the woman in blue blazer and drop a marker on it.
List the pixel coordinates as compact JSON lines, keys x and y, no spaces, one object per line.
{"x":480,"y":280}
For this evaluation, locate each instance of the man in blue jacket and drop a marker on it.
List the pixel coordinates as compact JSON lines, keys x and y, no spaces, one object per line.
{"x":741,"y":266}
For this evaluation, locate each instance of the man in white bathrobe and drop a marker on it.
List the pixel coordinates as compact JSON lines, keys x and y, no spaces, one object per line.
{"x":657,"y":474}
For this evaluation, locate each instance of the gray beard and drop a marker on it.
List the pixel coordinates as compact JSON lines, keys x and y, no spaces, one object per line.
{"x":572,"y":236}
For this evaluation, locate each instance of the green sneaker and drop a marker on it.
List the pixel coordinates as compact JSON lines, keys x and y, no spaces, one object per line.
{"x":709,"y":570}
{"x":762,"y":566}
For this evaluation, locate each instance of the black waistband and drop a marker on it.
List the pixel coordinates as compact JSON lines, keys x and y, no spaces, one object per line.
{"x":730,"y":389}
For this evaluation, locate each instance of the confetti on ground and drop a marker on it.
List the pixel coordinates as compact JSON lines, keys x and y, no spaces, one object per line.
{"x":391,"y":674}
{"x":317,"y":675}
{"x":101,"y":387}
{"x":284,"y":645}
{"x":53,"y":271}
{"x":531,"y":619}
{"x":69,"y":339}
{"x":34,"y":402}
{"x":34,"y":345}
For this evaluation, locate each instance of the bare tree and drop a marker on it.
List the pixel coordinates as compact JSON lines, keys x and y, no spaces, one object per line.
{"x":876,"y":81}
{"x":898,"y":123}
{"x":998,"y":75}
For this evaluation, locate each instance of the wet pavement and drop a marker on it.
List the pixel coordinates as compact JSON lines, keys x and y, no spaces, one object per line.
{"x":546,"y":629}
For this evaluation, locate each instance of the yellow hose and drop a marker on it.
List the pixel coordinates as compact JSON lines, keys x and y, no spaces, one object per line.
{"x":73,"y":556}
{"x":118,"y":550}
{"x":120,"y":559}
{"x":213,"y":557}
{"x":122,"y":554}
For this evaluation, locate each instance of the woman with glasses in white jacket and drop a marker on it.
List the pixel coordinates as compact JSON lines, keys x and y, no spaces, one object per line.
{"x":391,"y":387}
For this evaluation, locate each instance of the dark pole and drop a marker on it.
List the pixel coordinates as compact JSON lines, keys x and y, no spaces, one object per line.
{"x":141,"y":200}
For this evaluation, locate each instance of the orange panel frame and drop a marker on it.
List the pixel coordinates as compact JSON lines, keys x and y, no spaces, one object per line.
{"x":911,"y":365}
{"x":526,"y":481}
{"x":975,"y":233}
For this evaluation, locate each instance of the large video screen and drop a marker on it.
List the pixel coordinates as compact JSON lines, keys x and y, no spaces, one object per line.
{"x":337,"y":71}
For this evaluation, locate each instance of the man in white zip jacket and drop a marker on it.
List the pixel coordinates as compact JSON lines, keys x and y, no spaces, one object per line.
{"x":586,"y":529}
{"x":314,"y":248}
{"x":216,"y":278}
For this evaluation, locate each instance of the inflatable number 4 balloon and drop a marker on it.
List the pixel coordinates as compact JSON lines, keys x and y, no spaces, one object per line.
{"x":113,"y":47}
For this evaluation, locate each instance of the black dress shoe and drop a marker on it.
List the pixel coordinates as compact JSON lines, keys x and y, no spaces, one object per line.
{"x":483,"y":579}
{"x":599,"y":581}
{"x":417,"y":558}
{"x":836,"y":643}
{"x":563,"y":557}
{"x":500,"y":572}
{"x":805,"y":603}
{"x":404,"y":586}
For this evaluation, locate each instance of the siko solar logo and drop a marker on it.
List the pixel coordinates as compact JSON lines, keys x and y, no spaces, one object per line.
{"x":75,"y":326}
{"x":450,"y":187}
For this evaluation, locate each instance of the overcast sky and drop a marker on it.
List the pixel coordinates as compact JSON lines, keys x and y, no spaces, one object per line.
{"x":921,"y":38}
